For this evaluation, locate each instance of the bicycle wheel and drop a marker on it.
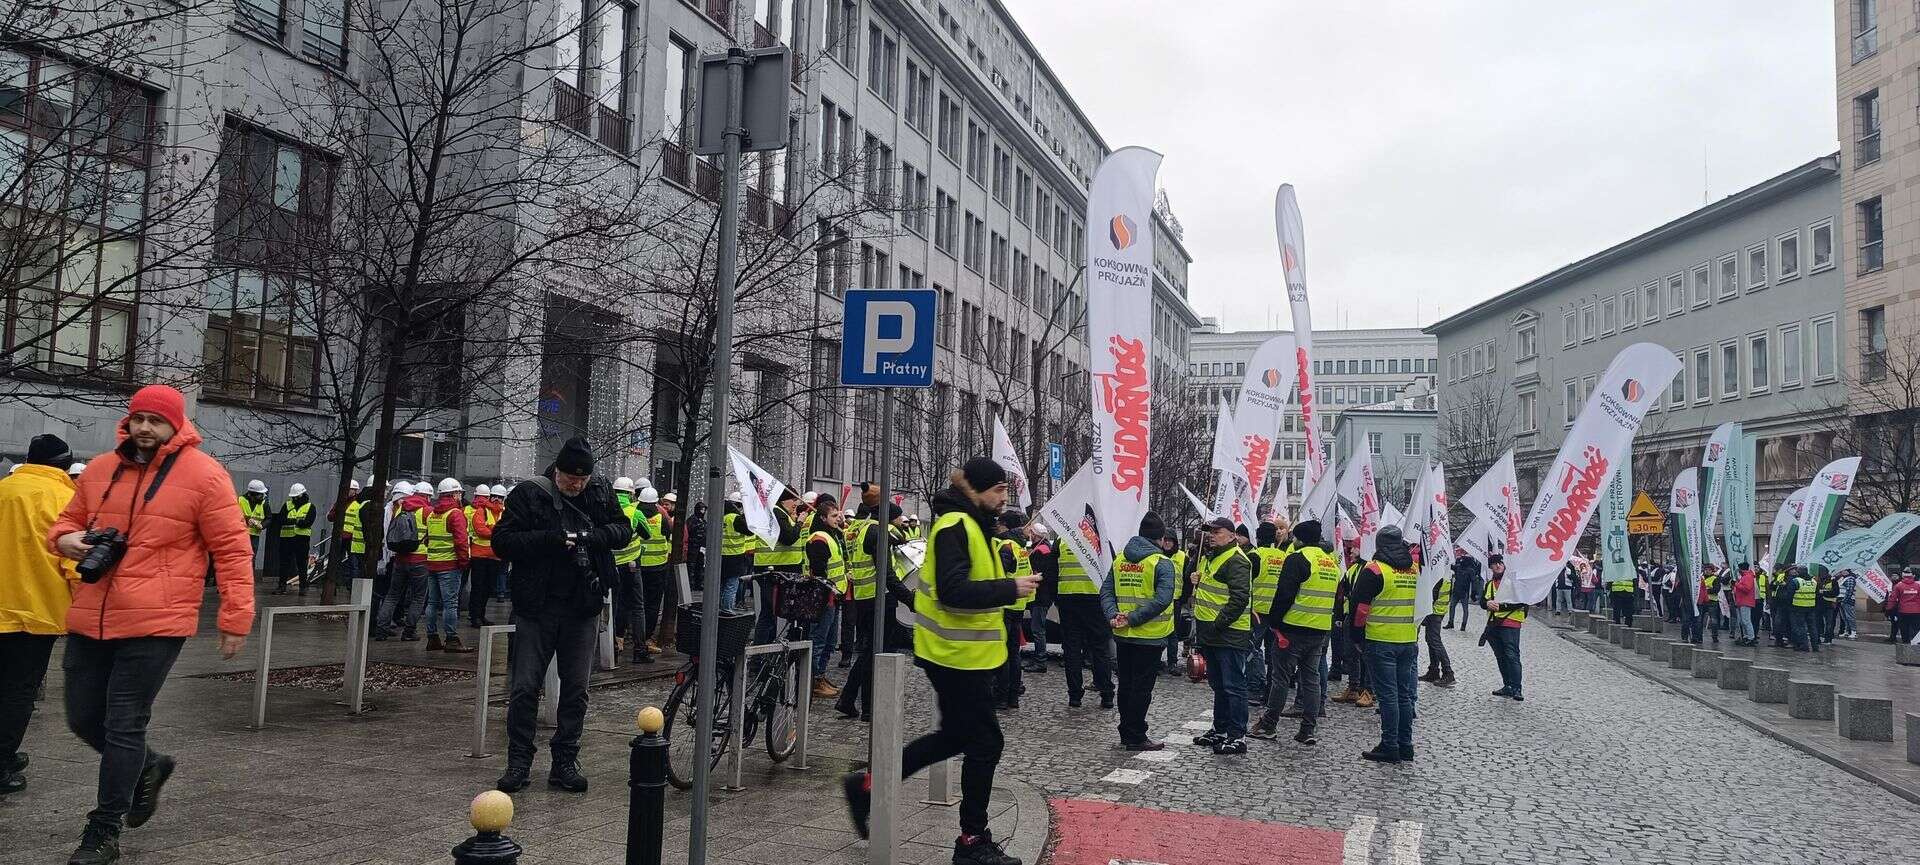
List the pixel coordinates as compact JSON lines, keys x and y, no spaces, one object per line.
{"x":782,"y":696}
{"x":682,"y":714}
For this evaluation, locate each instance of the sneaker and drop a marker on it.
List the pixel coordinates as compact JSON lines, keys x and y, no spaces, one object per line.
{"x":1073,"y":702}
{"x":1145,"y":745}
{"x":409,"y":637}
{"x":847,"y":710}
{"x":1034,"y":666}
{"x":1518,"y":698}
{"x":1106,"y":701}
{"x":146,"y":795}
{"x":566,"y":776}
{"x":1262,"y":730}
{"x":513,"y":780}
{"x":1381,"y":755}
{"x":454,"y":646}
{"x":858,"y":788}
{"x":1431,"y":675}
{"x":1231,"y":746}
{"x":654,"y":648}
{"x":19,"y":763}
{"x":1209,"y":738}
{"x":1446,"y":680}
{"x":980,"y":850}
{"x":1503,"y":692}
{"x":98,"y":846}
{"x":12,"y":781}
{"x":1306,"y":735}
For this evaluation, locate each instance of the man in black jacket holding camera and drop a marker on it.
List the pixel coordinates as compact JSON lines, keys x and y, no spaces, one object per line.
{"x":559,"y":531}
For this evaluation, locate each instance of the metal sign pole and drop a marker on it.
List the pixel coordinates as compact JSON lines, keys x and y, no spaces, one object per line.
{"x":883,"y":561}
{"x":724,"y":282}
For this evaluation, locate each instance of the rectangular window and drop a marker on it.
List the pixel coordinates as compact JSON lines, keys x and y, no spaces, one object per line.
{"x":997,"y":261}
{"x":264,"y":17}
{"x":1529,"y":422}
{"x":1729,"y":370}
{"x":1572,"y":398}
{"x":1792,"y":356}
{"x":1569,"y":328}
{"x":975,"y":253}
{"x":1524,"y":347}
{"x":946,"y":221}
{"x":1872,"y":235}
{"x":1760,"y":357}
{"x":843,"y":27}
{"x":1676,"y":294}
{"x":1002,"y":174}
{"x":1825,"y":350}
{"x":919,"y":97}
{"x":945,"y":317}
{"x":1589,"y":321}
{"x":1629,"y":309}
{"x":882,"y":58}
{"x":1373,"y":443}
{"x":1866,"y":28}
{"x":1702,"y":374}
{"x":977,"y":139}
{"x":1866,"y":128}
{"x":323,"y":32}
{"x":1453,"y":367}
{"x":1822,"y":247}
{"x":1677,"y":392}
{"x":676,"y":101}
{"x":610,"y":79}
{"x":1609,"y":316}
{"x":948,"y":134}
{"x":1789,"y":256}
{"x":1410,"y":444}
{"x":1756,"y":267}
{"x":1873,"y":343}
{"x":1650,"y":301}
{"x":1479,"y":360}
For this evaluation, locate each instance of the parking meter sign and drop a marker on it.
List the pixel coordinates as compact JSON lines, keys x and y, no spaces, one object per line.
{"x":887,"y":338}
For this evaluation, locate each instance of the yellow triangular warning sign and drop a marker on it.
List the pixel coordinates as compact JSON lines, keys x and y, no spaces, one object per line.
{"x":1643,"y":507}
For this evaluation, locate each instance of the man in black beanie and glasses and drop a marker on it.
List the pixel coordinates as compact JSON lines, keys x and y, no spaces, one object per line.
{"x":959,"y":639}
{"x":559,"y":531}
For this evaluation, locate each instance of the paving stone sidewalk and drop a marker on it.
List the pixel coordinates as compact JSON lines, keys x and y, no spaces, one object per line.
{"x":392,"y":786}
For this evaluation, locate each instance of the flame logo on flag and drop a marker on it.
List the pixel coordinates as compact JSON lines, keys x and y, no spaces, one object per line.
{"x":1121,"y":231}
{"x":1631,"y":390}
{"x":1270,"y":378}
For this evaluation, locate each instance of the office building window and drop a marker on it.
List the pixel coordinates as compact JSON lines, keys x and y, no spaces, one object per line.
{"x":263,"y":17}
{"x":843,"y":28}
{"x":1569,"y":328}
{"x":1873,"y":343}
{"x":1729,"y":370}
{"x":1572,"y":399}
{"x":948,"y":133}
{"x":919,"y":97}
{"x":1410,"y":444}
{"x":1866,"y":127}
{"x":1866,"y":28}
{"x":1523,"y":343}
{"x":1524,"y":405}
{"x":883,"y":56}
{"x":323,"y":32}
{"x":1700,"y":276}
{"x":1677,"y":392}
{"x":946,"y":221}
{"x":1825,"y":350}
{"x":1702,"y":374}
{"x":1872,"y":235}
{"x":1373,"y":443}
{"x":1676,"y":294}
{"x":1609,"y":316}
{"x":1629,"y":309}
{"x":1650,"y":301}
{"x":1589,"y":321}
{"x":1789,"y":256}
{"x":1822,"y":247}
{"x":1760,"y":357}
{"x":1757,"y":267}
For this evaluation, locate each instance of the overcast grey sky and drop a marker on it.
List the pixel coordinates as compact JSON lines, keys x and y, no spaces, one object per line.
{"x":1443,"y":152}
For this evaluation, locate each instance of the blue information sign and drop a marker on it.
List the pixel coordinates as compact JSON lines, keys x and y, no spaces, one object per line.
{"x":1056,"y":461}
{"x":887,"y":338}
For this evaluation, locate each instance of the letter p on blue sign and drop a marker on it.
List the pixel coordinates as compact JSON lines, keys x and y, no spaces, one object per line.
{"x":887,"y":338}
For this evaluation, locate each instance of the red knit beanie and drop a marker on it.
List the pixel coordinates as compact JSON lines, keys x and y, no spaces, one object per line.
{"x":161,"y":400}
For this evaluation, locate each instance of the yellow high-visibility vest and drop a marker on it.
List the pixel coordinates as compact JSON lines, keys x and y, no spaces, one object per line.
{"x":1313,"y":604}
{"x":954,"y":637}
{"x":1390,"y":615}
{"x":1210,"y":595}
{"x":1134,"y":585}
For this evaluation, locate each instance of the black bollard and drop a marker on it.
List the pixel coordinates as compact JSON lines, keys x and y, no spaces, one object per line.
{"x":647,"y":790}
{"x":491,"y":813}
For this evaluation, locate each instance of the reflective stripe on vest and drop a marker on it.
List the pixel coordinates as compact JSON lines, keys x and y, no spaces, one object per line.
{"x":1313,"y":604}
{"x":351,"y":523}
{"x":296,"y":513}
{"x":256,"y":515}
{"x":1073,"y":574}
{"x":735,"y":540}
{"x":958,"y":639}
{"x":1210,"y":596}
{"x":1519,"y":615}
{"x":1803,"y":592}
{"x":861,"y":570}
{"x":1022,"y":567}
{"x":1266,"y":578}
{"x":1390,"y":615}
{"x":439,"y":539}
{"x":630,"y":553}
{"x":480,"y":546}
{"x":655,"y":548}
{"x":836,"y":562}
{"x":1134,"y":584}
{"x":791,"y":557}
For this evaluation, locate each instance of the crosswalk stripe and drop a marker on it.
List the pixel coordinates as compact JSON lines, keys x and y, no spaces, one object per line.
{"x":1359,"y":840}
{"x":1404,"y":842}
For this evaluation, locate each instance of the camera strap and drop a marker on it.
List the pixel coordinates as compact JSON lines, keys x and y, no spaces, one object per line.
{"x":159,"y":477}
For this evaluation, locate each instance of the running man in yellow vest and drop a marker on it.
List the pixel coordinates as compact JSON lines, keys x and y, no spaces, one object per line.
{"x":1383,"y":598}
{"x":959,"y":639}
{"x":1300,"y":618}
{"x":1138,"y":600}
{"x":1223,"y":632}
{"x":1503,"y":629}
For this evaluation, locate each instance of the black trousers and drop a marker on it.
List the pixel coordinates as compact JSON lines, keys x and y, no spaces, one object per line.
{"x":292,"y":564}
{"x":1623,"y":607}
{"x":111,"y":685}
{"x":1506,"y":654}
{"x":1007,"y":685}
{"x":1139,"y":665}
{"x":626,"y":600}
{"x":537,"y":641}
{"x":1436,"y":648}
{"x":653,"y":598}
{"x":856,"y":691}
{"x":484,"y":575}
{"x":1296,"y":670}
{"x":1085,"y":639}
{"x":968,"y":728}
{"x":23,"y":665}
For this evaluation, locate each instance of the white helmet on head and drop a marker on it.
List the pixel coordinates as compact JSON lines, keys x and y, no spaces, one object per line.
{"x":449,"y":485}
{"x":415,"y":488}
{"x":75,"y":469}
{"x":482,"y":490}
{"x":296,"y":490}
{"x":623,"y":484}
{"x":501,"y":488}
{"x":649,"y":495}
{"x":670,"y":497}
{"x":257,"y":486}
{"x":353,"y":486}
{"x":734,"y":497}
{"x":809,"y":497}
{"x":643,"y":483}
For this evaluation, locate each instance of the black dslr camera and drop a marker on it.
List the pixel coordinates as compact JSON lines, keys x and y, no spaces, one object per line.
{"x":108,"y":546}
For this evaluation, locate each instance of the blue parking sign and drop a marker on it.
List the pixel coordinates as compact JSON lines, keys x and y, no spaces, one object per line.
{"x":886,"y":338}
{"x":1056,"y":461}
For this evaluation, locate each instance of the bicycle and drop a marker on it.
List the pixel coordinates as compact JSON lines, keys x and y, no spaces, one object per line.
{"x":773,"y":690}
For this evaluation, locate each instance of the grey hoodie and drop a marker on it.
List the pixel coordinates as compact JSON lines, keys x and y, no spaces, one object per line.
{"x":1137,"y":550}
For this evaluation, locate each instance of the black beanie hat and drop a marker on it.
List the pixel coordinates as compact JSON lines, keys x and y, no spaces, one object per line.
{"x":48,"y":449}
{"x":1012,"y":518}
{"x":1307,"y":531}
{"x":1265,"y":534}
{"x":1151,"y":526}
{"x":575,"y":457}
{"x":983,"y":474}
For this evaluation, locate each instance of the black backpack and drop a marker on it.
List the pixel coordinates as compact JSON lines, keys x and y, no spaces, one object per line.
{"x":403,"y":532}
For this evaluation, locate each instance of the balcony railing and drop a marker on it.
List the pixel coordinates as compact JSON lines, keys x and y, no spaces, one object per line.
{"x":1872,"y":256}
{"x":569,"y":107}
{"x":707,"y":180}
{"x":756,"y":207}
{"x":614,"y":129}
{"x":673,"y":163}
{"x":1867,"y":148}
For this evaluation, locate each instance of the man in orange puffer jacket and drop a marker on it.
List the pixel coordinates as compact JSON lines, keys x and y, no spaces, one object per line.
{"x":174,"y":509}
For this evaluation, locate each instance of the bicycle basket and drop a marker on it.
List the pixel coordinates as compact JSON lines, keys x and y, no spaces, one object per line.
{"x":736,"y":631}
{"x":803,"y":599}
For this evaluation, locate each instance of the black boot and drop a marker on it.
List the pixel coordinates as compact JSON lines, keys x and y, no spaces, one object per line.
{"x":566,"y":776}
{"x":98,"y":846}
{"x":1306,"y":735}
{"x":513,"y":780}
{"x":980,"y":850}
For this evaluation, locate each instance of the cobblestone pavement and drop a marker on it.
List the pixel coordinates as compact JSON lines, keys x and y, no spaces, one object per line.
{"x":1598,"y":765}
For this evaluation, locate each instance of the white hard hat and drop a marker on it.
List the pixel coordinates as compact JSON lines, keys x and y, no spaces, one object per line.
{"x":257,"y":486}
{"x":296,"y":490}
{"x":670,"y":497}
{"x":482,"y":490}
{"x":809,"y":496}
{"x":643,"y":483}
{"x":623,"y":484}
{"x":411,"y":488}
{"x":649,"y":495}
{"x":848,"y":513}
{"x":734,"y":497}
{"x":353,"y":486}
{"x":1041,"y":529}
{"x":449,"y":485}
{"x":75,"y":469}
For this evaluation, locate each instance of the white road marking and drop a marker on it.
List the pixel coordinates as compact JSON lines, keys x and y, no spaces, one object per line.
{"x":1163,"y":756}
{"x":1359,"y":840}
{"x":1193,"y":725}
{"x":1403,"y":844}
{"x":1126,"y":776}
